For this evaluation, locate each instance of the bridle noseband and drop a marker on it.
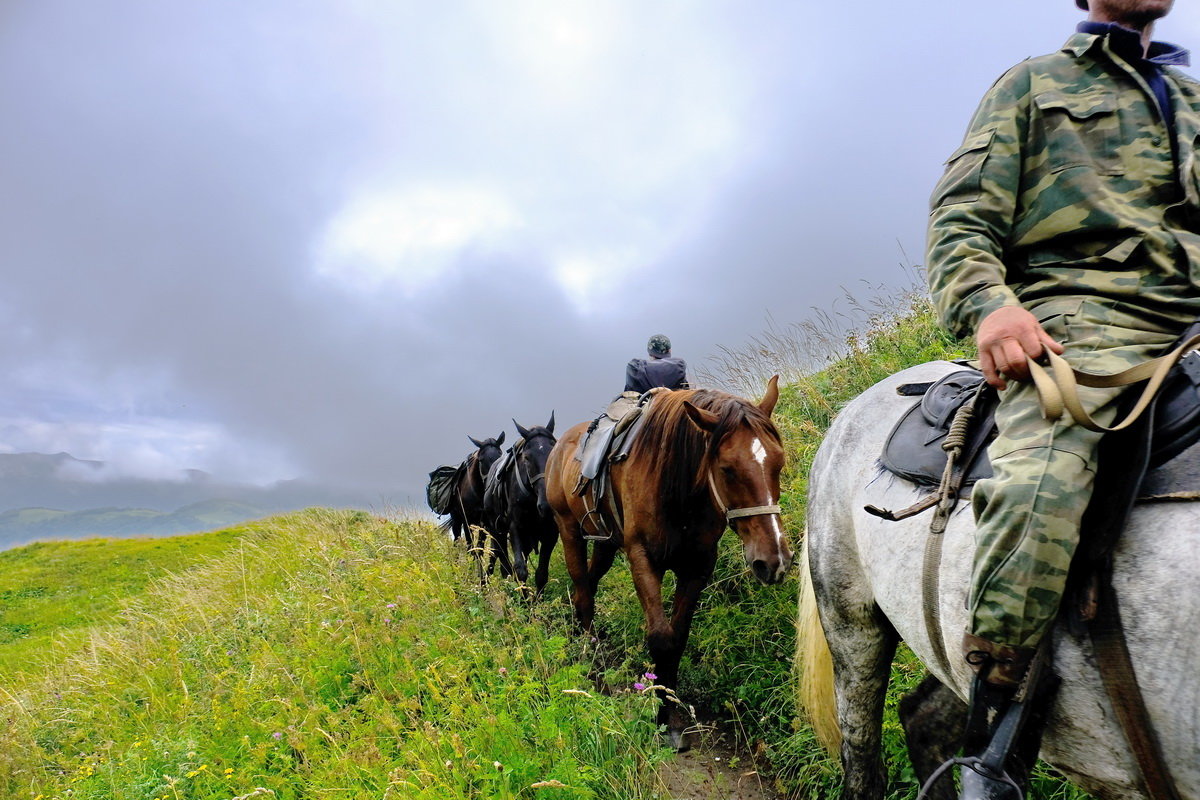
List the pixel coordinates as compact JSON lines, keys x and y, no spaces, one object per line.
{"x":737,"y":513}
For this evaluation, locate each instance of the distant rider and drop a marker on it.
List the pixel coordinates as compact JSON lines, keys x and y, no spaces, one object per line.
{"x":660,"y":369}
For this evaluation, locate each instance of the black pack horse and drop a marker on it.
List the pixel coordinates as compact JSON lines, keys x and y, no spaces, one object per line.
{"x":515,"y":503}
{"x":466,"y":511}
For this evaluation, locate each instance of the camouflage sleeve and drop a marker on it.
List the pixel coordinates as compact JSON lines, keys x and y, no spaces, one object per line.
{"x":973,"y":208}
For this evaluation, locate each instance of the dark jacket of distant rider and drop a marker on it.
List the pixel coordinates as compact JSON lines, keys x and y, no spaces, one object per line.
{"x":659,"y":369}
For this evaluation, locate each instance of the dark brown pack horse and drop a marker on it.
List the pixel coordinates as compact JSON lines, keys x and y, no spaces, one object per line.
{"x":466,"y":510}
{"x":702,"y":461}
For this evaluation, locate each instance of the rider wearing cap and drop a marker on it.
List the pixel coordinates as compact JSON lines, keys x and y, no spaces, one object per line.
{"x":1068,"y":220}
{"x":660,"y":369}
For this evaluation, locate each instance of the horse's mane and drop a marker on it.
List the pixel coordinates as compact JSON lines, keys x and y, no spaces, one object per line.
{"x":676,"y":450}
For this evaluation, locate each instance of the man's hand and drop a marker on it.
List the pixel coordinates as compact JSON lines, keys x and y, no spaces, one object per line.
{"x":1005,"y":337}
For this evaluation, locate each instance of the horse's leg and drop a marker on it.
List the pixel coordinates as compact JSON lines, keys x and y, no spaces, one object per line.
{"x":575,"y":554}
{"x":688,"y":588}
{"x":934,"y":721}
{"x":603,"y":555}
{"x":862,"y":649}
{"x":517,"y":545}
{"x":545,"y":548}
{"x":661,"y":639}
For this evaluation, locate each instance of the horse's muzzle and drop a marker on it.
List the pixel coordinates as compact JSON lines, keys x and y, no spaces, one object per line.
{"x":771,"y":571}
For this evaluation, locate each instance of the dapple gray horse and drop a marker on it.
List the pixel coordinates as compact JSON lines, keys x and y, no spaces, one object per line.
{"x":865,"y":580}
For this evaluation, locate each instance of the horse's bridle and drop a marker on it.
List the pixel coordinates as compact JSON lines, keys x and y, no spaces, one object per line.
{"x":528,"y":482}
{"x":737,"y":513}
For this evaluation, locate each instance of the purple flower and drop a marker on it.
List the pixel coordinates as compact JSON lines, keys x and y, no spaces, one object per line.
{"x":650,"y":676}
{"x":391,"y":605}
{"x":503,"y":670}
{"x":276,"y":735}
{"x":639,"y":686}
{"x":387,"y":619}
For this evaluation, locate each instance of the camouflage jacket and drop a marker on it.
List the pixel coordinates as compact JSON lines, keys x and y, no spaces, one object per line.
{"x":1066,"y":187}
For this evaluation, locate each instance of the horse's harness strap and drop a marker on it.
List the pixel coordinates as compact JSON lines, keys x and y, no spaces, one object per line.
{"x":1059,"y":388}
{"x":1120,"y":682}
{"x":753,"y":511}
{"x":737,"y":513}
{"x":944,"y":499}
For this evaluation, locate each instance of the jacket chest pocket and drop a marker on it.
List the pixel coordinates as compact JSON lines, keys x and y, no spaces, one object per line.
{"x":1079,"y":130}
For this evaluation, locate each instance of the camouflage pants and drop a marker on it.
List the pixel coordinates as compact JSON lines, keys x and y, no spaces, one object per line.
{"x":1028,"y":513}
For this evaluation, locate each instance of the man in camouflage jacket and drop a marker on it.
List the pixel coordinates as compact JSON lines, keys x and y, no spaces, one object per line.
{"x":1069,"y":219}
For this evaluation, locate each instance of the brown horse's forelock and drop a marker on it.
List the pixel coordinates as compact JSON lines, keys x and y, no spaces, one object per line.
{"x":672,"y":446}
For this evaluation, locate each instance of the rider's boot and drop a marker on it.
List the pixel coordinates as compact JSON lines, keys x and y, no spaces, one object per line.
{"x":1002,"y":738}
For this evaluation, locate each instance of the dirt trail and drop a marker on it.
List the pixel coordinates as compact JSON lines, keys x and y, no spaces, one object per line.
{"x":714,"y":770}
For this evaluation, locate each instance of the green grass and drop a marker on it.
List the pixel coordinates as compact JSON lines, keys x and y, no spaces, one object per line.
{"x":328,"y":654}
{"x":58,"y":590}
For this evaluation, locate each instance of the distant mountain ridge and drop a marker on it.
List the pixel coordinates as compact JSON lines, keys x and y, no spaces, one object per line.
{"x":26,"y":524}
{"x":58,"y":496}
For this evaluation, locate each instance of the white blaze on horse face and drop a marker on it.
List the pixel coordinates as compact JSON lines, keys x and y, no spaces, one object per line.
{"x":759,"y":451}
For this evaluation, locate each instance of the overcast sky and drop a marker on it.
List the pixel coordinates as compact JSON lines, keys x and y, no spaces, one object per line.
{"x":280,"y":238}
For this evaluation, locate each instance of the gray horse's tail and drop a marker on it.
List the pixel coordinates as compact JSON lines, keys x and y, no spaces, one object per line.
{"x":814,"y":665}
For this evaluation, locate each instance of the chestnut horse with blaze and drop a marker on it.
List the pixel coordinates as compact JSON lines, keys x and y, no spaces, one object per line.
{"x":703,"y":460}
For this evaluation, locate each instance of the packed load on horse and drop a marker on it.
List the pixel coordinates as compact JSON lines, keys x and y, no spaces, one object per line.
{"x":466,"y":486}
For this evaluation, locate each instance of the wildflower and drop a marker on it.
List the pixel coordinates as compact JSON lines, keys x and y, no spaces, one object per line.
{"x":504,"y":670}
{"x":387,"y":619}
{"x":229,"y":770}
{"x":390,"y":605}
{"x":277,"y":735}
{"x":650,"y":676}
{"x":639,"y":686}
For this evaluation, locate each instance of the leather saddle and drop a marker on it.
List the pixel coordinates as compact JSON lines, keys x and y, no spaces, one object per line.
{"x":914,"y":451}
{"x":608,"y":441}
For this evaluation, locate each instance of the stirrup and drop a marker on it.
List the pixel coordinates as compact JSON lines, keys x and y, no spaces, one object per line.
{"x":977,"y":766}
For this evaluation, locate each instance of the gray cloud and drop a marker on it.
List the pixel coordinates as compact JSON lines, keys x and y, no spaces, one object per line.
{"x":172,"y":175}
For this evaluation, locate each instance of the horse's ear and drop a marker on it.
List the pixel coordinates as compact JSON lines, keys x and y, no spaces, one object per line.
{"x":475,"y":441}
{"x":550,"y":426}
{"x":524,"y":433}
{"x":767,"y":404}
{"x":705,"y":420}
{"x":500,"y":439}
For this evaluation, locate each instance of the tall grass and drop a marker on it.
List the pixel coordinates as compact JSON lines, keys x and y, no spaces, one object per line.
{"x":334,"y":654}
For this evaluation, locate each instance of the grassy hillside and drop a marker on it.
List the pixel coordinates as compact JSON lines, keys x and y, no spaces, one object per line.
{"x":58,"y":590}
{"x":328,"y":654}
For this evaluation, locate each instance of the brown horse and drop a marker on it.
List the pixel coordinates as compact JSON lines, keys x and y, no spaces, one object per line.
{"x":703,"y":460}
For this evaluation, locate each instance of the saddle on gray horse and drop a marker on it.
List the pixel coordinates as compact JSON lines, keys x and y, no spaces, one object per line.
{"x":914,"y":449}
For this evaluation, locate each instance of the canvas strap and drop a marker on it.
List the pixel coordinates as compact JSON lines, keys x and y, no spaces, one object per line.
{"x":1059,"y":388}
